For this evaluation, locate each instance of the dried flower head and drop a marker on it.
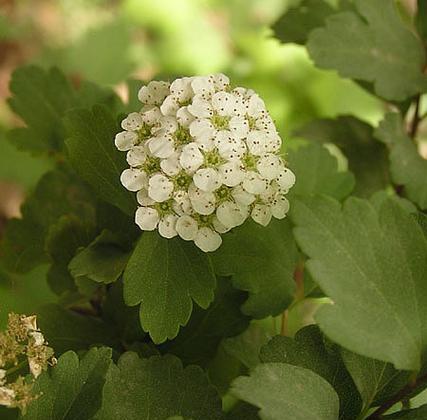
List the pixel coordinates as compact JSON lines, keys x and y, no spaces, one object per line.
{"x":22,"y":346}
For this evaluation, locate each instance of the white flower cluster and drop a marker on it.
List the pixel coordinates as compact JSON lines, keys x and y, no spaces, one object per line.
{"x":203,"y":158}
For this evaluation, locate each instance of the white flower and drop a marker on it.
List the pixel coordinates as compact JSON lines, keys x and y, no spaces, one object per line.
{"x":162,"y":145}
{"x":231,"y":173}
{"x":232,"y":214}
{"x":143,"y":198}
{"x":269,"y":166}
{"x":285,"y":179}
{"x":167,"y":226}
{"x":218,"y":226}
{"x":186,"y":227}
{"x":184,"y":117}
{"x":154,"y":93}
{"x":229,"y":147}
{"x":280,"y":206}
{"x":254,"y":183}
{"x":181,"y":89}
{"x":261,"y":213}
{"x":169,"y":106}
{"x":207,"y":239}
{"x":182,"y":204}
{"x":133,"y":122}
{"x":136,"y":156}
{"x":160,"y":188}
{"x":133,"y":179}
{"x":191,"y":157}
{"x":147,"y":218}
{"x":203,"y":202}
{"x":171,"y":165}
{"x":242,"y":197}
{"x":203,"y":158}
{"x":125,"y":140}
{"x":207,"y":179}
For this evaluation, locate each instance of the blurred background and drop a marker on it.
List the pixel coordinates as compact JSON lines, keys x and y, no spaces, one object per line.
{"x":110,"y":41}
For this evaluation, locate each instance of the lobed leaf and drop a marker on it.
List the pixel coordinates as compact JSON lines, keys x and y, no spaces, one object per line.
{"x":164,"y":276}
{"x":316,"y":172}
{"x":373,"y":45}
{"x":261,"y":261}
{"x":359,"y":256}
{"x":407,"y":167}
{"x":310,"y":350}
{"x":284,"y":391}
{"x":367,"y":158}
{"x":157,"y":388}
{"x":91,"y":151}
{"x":73,"y":389}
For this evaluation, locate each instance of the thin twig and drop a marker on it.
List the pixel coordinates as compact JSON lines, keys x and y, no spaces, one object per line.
{"x":416,"y":119}
{"x":284,"y":326}
{"x":401,"y":395}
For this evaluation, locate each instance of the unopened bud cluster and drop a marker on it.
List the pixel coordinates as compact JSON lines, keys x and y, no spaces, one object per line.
{"x":22,"y":346}
{"x":203,"y":158}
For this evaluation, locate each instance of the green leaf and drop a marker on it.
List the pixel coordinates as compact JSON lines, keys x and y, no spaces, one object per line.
{"x":378,"y":199}
{"x":243,"y":411}
{"x":34,"y":166}
{"x":23,"y":293}
{"x":316,"y":172}
{"x":93,"y":155}
{"x":165,"y":276}
{"x":367,"y":158}
{"x":246,"y":346}
{"x":40,"y":98}
{"x":157,"y":388}
{"x":67,"y":330}
{"x":422,"y":221}
{"x":419,"y":413}
{"x":262,"y":262}
{"x":359,"y":256}
{"x":125,"y":319}
{"x":103,"y":261}
{"x":310,"y":350}
{"x":421,"y":20}
{"x":407,"y":167}
{"x":296,"y":23}
{"x":103,"y":54}
{"x":62,"y":242}
{"x":198,"y":341}
{"x":376,"y":381}
{"x":72,"y":390}
{"x":8,"y":413}
{"x":374,"y":45}
{"x":57,"y":194}
{"x":279,"y":388}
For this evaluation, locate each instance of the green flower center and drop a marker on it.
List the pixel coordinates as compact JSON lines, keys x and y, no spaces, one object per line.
{"x":223,"y":194}
{"x":151,"y":165}
{"x":203,"y":220}
{"x":144,"y":133}
{"x":249,"y":161}
{"x":164,"y":208}
{"x":182,"y":136}
{"x":182,"y":181}
{"x":213,"y":159}
{"x":220,"y":122}
{"x":251,"y":121}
